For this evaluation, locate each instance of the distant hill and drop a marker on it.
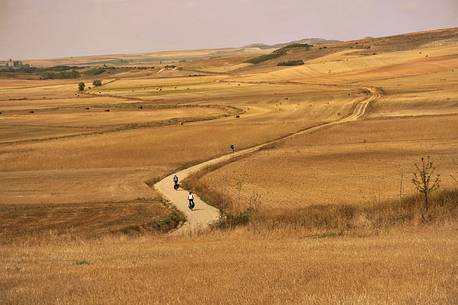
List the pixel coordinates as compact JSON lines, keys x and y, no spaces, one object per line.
{"x":310,"y":41}
{"x":309,"y":49}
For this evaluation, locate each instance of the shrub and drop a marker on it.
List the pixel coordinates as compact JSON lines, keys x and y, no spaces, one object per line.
{"x":95,"y":71}
{"x":81,"y":86}
{"x":61,"y":75}
{"x":263,"y":58}
{"x":233,"y":220}
{"x":97,"y":83}
{"x":298,"y":62}
{"x":353,"y":218}
{"x":425,"y":181}
{"x":166,"y":224}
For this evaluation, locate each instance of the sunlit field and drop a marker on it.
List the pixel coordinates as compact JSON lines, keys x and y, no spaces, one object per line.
{"x":323,"y":217}
{"x":414,"y":267}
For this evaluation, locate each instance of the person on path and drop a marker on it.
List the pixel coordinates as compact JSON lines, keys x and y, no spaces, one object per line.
{"x":191,"y":203}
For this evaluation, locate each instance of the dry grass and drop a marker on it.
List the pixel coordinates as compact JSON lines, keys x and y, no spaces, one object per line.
{"x":327,"y":225}
{"x":356,"y":163}
{"x":41,"y":125}
{"x":86,"y":220}
{"x":93,"y":185}
{"x":361,"y":219}
{"x":328,"y":219}
{"x":98,"y":117}
{"x":277,"y":267}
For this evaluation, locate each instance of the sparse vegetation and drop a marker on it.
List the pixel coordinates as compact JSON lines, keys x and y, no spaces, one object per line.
{"x":368,"y":219}
{"x":96,"y":70}
{"x":82,"y":262}
{"x":263,"y":58}
{"x":61,"y":75}
{"x":231,"y":221}
{"x":97,"y":83}
{"x":298,"y":62}
{"x":278,"y":53}
{"x":425,"y":181}
{"x":162,"y":225}
{"x":339,"y":219}
{"x":61,"y":68}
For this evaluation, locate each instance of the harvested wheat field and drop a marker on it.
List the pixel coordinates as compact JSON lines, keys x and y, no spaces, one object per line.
{"x":237,"y":267}
{"x":301,"y":159}
{"x":357,"y":163}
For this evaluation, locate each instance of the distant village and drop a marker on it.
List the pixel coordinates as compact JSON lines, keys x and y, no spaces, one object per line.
{"x":15,"y":65}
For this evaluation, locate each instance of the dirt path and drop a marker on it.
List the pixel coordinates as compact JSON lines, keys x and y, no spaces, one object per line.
{"x":204,"y":215}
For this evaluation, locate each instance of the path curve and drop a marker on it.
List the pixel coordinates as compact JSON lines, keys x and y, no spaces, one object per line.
{"x":204,"y":214}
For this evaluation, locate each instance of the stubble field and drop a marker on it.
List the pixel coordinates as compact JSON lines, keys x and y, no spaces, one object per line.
{"x":81,"y":224}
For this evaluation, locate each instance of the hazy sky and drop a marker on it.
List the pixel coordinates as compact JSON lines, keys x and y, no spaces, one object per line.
{"x":57,"y":28}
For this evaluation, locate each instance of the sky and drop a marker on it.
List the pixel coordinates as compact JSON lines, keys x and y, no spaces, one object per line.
{"x":62,"y":28}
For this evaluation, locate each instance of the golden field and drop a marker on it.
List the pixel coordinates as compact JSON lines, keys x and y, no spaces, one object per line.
{"x":400,"y":267}
{"x":333,"y":219}
{"x":358,"y":163}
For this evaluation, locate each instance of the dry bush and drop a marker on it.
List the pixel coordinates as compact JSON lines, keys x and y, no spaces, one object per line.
{"x":426,"y":182}
{"x":372,"y":218}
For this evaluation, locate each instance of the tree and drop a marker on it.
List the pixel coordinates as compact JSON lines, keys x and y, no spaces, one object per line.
{"x":97,"y":83}
{"x":425,"y":181}
{"x":81,"y":86}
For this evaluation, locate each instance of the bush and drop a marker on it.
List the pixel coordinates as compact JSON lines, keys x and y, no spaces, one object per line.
{"x":233,"y":220}
{"x":370,"y":217}
{"x":82,"y":262}
{"x":95,"y":71}
{"x":264,"y":58}
{"x":81,"y":86}
{"x":97,"y":83}
{"x":426,"y":181}
{"x":61,"y":75}
{"x":163,"y":225}
{"x":292,"y":63}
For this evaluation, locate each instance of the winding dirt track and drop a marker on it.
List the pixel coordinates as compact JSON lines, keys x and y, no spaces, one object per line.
{"x":204,"y":215}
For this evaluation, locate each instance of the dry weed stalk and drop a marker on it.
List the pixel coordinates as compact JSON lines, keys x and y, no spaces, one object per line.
{"x":425,"y":181}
